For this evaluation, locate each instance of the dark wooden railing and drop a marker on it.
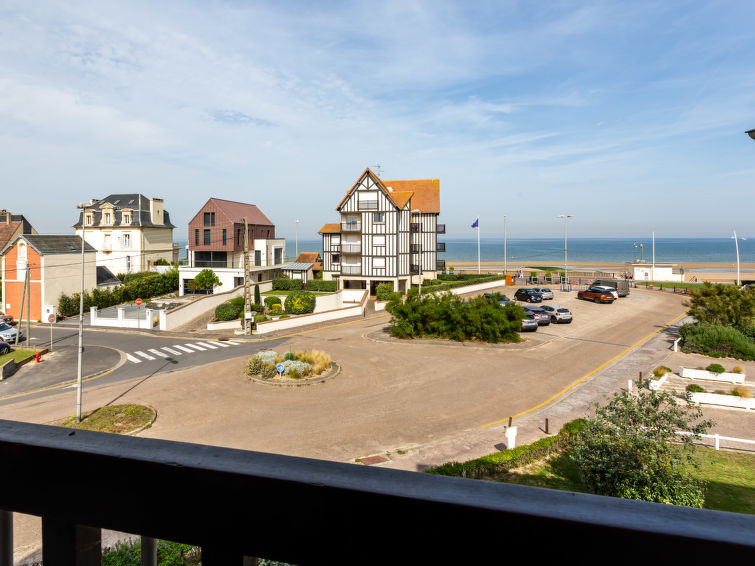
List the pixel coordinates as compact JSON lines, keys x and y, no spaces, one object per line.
{"x":235,"y":503}
{"x":440,"y":228}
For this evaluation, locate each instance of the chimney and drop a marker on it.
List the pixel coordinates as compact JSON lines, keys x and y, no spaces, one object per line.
{"x":156,"y":210}
{"x":5,"y":216}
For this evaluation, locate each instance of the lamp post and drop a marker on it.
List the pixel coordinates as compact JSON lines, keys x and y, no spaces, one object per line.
{"x":751,"y":133}
{"x":297,"y":237}
{"x":566,"y":218}
{"x":635,"y":252}
{"x":83,"y":208}
{"x":736,"y":245}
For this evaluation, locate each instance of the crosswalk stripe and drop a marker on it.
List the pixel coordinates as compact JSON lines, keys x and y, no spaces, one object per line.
{"x":232,"y":343}
{"x":158,"y":353}
{"x":210,"y":346}
{"x":143,"y":355}
{"x":195,"y":346}
{"x":171,"y":351}
{"x":183,"y":349}
{"x":131,"y":358}
{"x":222,"y":344}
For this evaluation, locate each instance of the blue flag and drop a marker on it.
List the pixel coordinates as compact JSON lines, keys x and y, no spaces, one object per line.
{"x":476,"y":223}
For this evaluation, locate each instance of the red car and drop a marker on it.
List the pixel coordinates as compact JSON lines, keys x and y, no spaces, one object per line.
{"x":597,"y":295}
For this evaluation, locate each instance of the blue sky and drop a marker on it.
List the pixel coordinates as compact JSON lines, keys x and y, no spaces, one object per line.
{"x":628,"y":115}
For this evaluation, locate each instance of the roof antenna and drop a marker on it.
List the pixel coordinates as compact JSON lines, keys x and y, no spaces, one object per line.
{"x":379,"y":170}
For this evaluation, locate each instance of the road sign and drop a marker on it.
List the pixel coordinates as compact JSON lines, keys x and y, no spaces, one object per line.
{"x":51,"y":318}
{"x":280,"y":368}
{"x":138,"y":302}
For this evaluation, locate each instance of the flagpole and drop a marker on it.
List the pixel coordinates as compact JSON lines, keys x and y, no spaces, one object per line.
{"x":478,"y":245}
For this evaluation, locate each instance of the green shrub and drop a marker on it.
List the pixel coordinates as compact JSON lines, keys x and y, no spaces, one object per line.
{"x":660,"y":371}
{"x":168,"y":553}
{"x":300,"y":302}
{"x":268,"y":371}
{"x":289,"y":356}
{"x":320,"y":285}
{"x":715,"y":368}
{"x":383,"y":291}
{"x":254,"y":365}
{"x":260,"y":318}
{"x":286,"y":284}
{"x":695,"y":388}
{"x":272,"y":300}
{"x":716,"y":341}
{"x":227,"y":311}
{"x":238,"y":302}
{"x":257,"y":298}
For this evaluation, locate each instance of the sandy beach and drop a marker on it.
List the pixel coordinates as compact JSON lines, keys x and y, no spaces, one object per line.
{"x":694,"y":271}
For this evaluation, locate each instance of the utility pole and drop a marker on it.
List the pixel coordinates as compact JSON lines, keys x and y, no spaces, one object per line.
{"x":28,"y":306}
{"x":23,"y":298}
{"x":247,"y":282}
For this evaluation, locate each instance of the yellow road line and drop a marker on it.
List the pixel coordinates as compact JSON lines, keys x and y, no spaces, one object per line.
{"x":59,"y":386}
{"x":319,"y":328}
{"x":597,"y":369}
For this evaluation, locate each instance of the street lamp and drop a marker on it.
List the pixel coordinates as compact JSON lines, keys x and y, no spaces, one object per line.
{"x":751,"y":133}
{"x":565,"y":217}
{"x":83,"y":208}
{"x":635,"y":252}
{"x":297,"y":238}
{"x":736,"y":245}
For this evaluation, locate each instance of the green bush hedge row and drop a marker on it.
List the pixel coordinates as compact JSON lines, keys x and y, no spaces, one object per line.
{"x":506,"y":460}
{"x":143,"y":285}
{"x":286,"y":284}
{"x":320,"y":285}
{"x":716,"y":341}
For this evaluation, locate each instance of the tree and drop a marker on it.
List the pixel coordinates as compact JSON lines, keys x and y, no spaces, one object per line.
{"x":630,"y":448}
{"x":257,"y":299}
{"x":726,"y":305}
{"x":205,"y":280}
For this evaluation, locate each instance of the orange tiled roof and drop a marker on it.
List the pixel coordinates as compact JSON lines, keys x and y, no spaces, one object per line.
{"x":330,"y":229}
{"x":426,"y":196}
{"x":307,"y":257}
{"x":400,"y":198}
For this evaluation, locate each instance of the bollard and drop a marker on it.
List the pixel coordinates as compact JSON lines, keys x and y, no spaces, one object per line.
{"x":718,"y":441}
{"x":37,"y":356}
{"x":629,"y":386}
{"x":546,"y":426}
{"x":511,"y":438}
{"x":510,"y":421}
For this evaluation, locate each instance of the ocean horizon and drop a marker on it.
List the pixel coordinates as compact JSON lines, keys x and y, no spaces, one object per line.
{"x":550,"y":251}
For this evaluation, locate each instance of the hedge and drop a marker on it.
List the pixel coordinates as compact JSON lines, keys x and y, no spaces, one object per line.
{"x":320,"y":285}
{"x":285,"y":284}
{"x":506,"y":460}
{"x":300,"y":302}
{"x":227,"y":311}
{"x":384,"y":291}
{"x":144,"y":285}
{"x":716,"y":341}
{"x":272,"y":300}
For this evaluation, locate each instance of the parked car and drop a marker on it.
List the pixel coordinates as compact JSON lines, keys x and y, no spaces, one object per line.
{"x":611,"y":290}
{"x":4,"y":348}
{"x":6,"y":318}
{"x":8,"y":333}
{"x":544,"y":291}
{"x":542,"y":316}
{"x":528,"y":295}
{"x":597,"y":295}
{"x":621,"y":285}
{"x":502,"y":299}
{"x":558,"y":313}
{"x":529,"y":323}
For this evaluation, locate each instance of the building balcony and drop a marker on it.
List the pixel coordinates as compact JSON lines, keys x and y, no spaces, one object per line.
{"x":368,"y":205}
{"x":414,"y":226}
{"x":440,"y":228}
{"x":440,"y":247}
{"x":208,"y":263}
{"x":441,"y":264}
{"x":354,"y":248}
{"x":233,"y":502}
{"x":351,"y":270}
{"x":415,"y":248}
{"x":414,"y":270}
{"x":351,"y":226}
{"x":335,"y":247}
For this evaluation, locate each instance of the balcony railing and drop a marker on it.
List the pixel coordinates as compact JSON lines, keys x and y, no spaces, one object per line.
{"x":414,"y":226}
{"x":355,"y":226}
{"x":368,"y":205}
{"x":334,"y":247}
{"x":232,"y":504}
{"x":440,"y":229}
{"x":414,"y":270}
{"x":351,"y":269}
{"x":355,"y":248}
{"x":209,"y":263}
{"x":415,"y":248}
{"x":441,"y":264}
{"x":440,"y":247}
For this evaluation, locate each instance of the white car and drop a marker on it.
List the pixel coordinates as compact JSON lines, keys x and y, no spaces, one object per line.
{"x":545,"y":292}
{"x":610,"y":290}
{"x":558,"y":313}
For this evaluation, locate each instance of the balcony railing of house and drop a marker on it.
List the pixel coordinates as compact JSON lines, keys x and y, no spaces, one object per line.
{"x":354,"y":248}
{"x":368,"y":205}
{"x":355,"y":226}
{"x":441,"y":264}
{"x":414,"y":270}
{"x":414,"y":226}
{"x":440,"y":246}
{"x":351,"y":269}
{"x":415,"y":248}
{"x":209,"y":263}
{"x":335,"y":247}
{"x":232,"y":504}
{"x":440,"y":229}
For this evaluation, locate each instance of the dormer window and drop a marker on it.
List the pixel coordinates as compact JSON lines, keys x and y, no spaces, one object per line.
{"x":126,"y":218}
{"x":22,"y":251}
{"x":108,"y":218}
{"x":89,"y":219}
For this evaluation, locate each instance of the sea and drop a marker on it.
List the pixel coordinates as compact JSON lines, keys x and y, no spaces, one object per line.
{"x":550,"y":251}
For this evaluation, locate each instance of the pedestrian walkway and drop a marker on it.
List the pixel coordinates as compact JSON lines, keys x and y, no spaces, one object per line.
{"x":175,"y":350}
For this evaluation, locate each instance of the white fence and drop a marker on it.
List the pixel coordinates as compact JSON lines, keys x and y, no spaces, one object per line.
{"x":717,"y":438}
{"x":146,"y":319}
{"x":188,"y":312}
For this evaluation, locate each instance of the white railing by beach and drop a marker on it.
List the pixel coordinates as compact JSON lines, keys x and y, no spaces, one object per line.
{"x":717,"y":438}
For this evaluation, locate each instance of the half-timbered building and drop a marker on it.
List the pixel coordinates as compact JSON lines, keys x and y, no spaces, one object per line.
{"x":387,"y":233}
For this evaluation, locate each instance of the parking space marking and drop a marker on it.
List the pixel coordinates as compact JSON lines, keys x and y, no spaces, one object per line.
{"x":158,"y":353}
{"x":143,"y":355}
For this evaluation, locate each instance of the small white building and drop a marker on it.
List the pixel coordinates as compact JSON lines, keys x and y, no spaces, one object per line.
{"x":657,"y":272}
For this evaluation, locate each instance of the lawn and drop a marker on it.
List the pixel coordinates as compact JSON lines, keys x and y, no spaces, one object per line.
{"x":730,"y":477}
{"x":17,"y":355}
{"x":668,"y":285}
{"x":119,"y":419}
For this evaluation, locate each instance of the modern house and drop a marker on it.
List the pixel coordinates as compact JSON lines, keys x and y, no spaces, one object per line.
{"x":129,"y":231}
{"x":387,"y":233}
{"x":12,"y":225}
{"x":54,"y":264}
{"x":216,"y":241}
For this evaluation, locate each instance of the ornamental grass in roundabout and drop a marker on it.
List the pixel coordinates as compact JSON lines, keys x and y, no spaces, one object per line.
{"x":290,"y":367}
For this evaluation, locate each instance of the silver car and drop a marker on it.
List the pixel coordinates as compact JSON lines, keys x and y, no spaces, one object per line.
{"x":545,"y":292}
{"x":558,"y":313}
{"x":543,"y":317}
{"x":8,"y":333}
{"x":529,"y":323}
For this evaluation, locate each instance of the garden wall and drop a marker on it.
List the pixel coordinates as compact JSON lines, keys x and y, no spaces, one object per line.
{"x":314,"y":318}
